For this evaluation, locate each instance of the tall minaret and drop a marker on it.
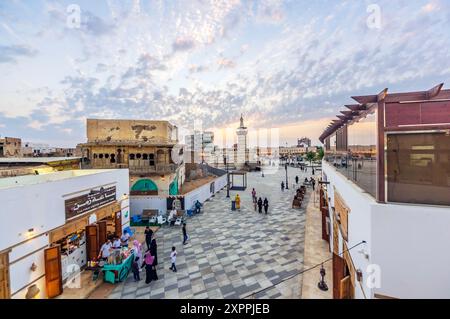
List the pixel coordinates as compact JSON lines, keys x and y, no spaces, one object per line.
{"x":242,"y":153}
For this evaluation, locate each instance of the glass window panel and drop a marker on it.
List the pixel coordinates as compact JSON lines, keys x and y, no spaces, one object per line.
{"x":418,"y":168}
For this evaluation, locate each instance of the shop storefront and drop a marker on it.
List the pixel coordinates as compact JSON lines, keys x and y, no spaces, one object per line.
{"x":59,"y":223}
{"x":86,"y":230}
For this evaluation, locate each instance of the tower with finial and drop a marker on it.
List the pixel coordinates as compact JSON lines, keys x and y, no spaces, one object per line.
{"x":242,"y":150}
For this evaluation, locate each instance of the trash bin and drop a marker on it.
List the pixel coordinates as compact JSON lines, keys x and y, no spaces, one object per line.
{"x":233,"y":205}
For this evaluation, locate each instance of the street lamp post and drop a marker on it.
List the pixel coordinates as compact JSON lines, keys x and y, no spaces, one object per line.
{"x":287,"y":183}
{"x":228,"y":176}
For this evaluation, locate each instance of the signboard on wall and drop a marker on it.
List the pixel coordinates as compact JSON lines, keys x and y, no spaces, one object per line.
{"x":96,"y":198}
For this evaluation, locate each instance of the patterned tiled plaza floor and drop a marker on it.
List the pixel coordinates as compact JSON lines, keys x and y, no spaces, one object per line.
{"x":240,"y":254}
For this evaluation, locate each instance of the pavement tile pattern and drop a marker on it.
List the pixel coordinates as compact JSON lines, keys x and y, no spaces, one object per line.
{"x":239,"y":254}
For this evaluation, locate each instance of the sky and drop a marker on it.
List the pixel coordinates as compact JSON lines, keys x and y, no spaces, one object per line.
{"x":290,"y":64}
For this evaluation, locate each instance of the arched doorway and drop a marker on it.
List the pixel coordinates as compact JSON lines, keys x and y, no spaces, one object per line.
{"x":144,"y":187}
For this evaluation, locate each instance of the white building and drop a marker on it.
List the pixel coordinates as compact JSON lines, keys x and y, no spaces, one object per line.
{"x":199,"y":147}
{"x":385,"y":196}
{"x":37,"y":149}
{"x":43,"y":223}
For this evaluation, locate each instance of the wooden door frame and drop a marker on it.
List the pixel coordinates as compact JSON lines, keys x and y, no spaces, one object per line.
{"x":102,"y":239}
{"x":118,"y":223}
{"x":89,"y":244}
{"x":7,"y":283}
{"x":47,"y":275}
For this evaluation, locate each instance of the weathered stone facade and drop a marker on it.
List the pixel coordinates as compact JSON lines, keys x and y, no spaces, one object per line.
{"x":10,"y":147}
{"x":146,"y":148}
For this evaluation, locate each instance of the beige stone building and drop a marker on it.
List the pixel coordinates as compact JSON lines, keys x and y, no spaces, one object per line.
{"x":147,"y":148}
{"x":10,"y":147}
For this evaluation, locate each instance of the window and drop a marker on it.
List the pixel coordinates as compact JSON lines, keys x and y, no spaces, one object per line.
{"x":145,"y":156}
{"x":151,"y":157}
{"x":113,"y":158}
{"x":131,"y":156}
{"x":95,"y":155}
{"x":418,"y":168}
{"x":100,"y":156}
{"x":138,"y":155}
{"x":106,"y":155}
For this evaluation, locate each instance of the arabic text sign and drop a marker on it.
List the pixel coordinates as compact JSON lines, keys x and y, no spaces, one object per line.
{"x":96,"y":198}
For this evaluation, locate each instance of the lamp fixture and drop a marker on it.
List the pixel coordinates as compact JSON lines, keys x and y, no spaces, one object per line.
{"x":33,"y":267}
{"x":322,"y":284}
{"x":32,"y":292}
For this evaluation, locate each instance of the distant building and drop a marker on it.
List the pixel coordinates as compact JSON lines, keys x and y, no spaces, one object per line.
{"x":199,"y":147}
{"x":19,"y":166}
{"x":45,"y":150}
{"x":10,"y":147}
{"x":288,"y":151}
{"x":303,"y":142}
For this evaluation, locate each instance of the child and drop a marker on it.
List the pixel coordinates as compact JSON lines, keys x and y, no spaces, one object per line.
{"x":135,"y":269}
{"x":173,"y":258}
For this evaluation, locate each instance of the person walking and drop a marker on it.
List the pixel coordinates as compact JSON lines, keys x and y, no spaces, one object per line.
{"x":260,"y":205}
{"x":173,"y":259}
{"x":255,"y":203}
{"x":266,"y":205}
{"x":185,"y":236}
{"x":135,"y":269}
{"x":313,"y":183}
{"x":254,"y":195}
{"x":137,"y":249}
{"x":148,"y":236}
{"x":154,"y":250}
{"x":282,"y":186}
{"x":149,"y":270}
{"x":238,"y":202}
{"x":296,"y":179}
{"x":313,"y":171}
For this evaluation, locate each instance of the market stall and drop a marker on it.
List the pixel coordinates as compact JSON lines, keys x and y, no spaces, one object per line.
{"x":118,"y":265}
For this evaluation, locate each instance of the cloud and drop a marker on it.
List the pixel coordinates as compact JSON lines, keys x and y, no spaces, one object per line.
{"x":193,"y":68}
{"x":10,"y":54}
{"x":183,"y":44}
{"x":303,"y":65}
{"x":226,"y":63}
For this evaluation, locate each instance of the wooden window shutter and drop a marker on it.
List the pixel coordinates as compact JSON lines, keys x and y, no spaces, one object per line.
{"x":335,"y":237}
{"x":53,"y":273}
{"x":338,"y":274}
{"x":92,"y":242}
{"x":345,"y":288}
{"x":5,"y":292}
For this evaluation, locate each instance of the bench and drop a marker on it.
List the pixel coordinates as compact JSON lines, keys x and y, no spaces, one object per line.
{"x":149,"y":215}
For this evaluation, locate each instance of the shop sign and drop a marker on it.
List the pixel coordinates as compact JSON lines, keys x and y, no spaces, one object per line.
{"x":96,"y":198}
